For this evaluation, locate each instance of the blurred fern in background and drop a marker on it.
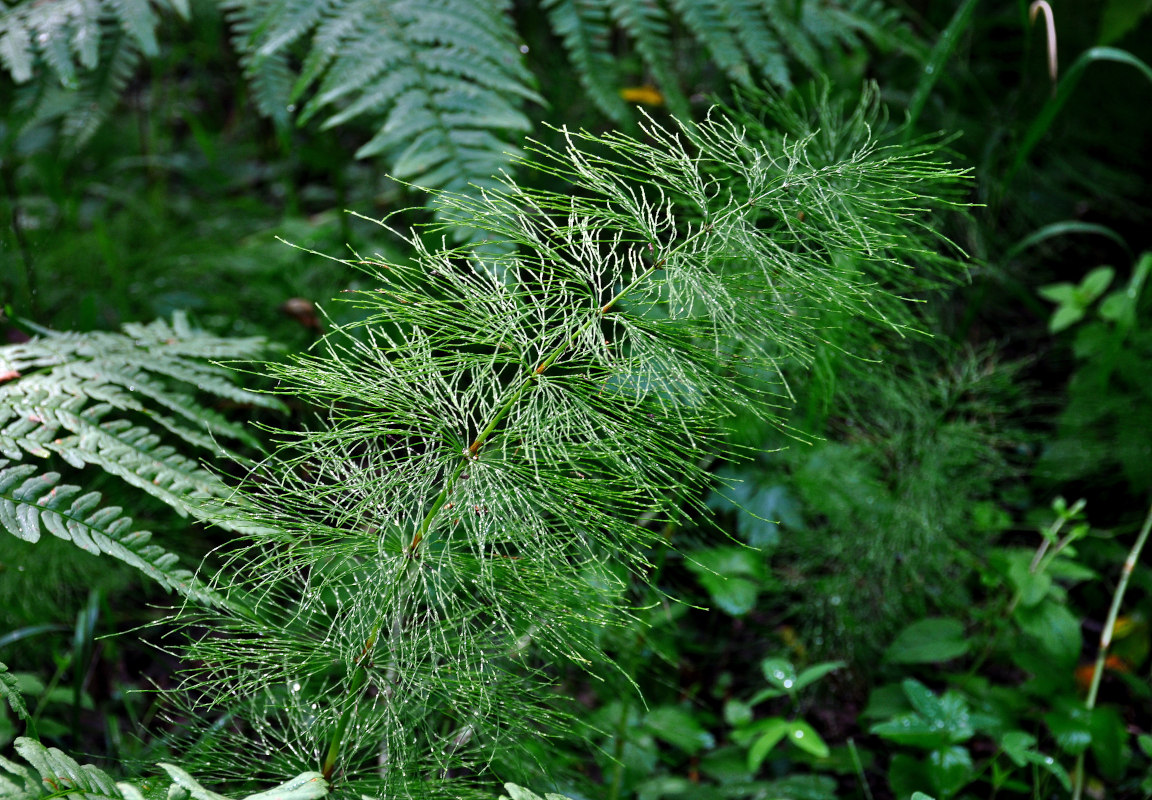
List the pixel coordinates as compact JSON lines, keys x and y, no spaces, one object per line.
{"x":439,"y":86}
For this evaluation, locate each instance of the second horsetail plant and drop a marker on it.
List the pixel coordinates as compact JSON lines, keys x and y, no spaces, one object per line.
{"x":507,"y":422}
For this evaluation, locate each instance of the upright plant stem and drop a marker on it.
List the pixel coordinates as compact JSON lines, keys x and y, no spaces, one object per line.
{"x":1106,"y":637}
{"x":933,"y":70}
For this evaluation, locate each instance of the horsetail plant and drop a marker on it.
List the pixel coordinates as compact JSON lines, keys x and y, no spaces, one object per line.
{"x":507,"y":423}
{"x":504,"y":423}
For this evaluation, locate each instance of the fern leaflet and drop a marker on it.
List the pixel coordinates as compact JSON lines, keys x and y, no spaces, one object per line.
{"x":59,"y":775}
{"x":97,"y":399}
{"x":67,"y":33}
{"x":440,"y":80}
{"x":29,"y":500}
{"x":11,"y":692}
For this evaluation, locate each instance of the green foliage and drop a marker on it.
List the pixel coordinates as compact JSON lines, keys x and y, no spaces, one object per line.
{"x":91,"y":48}
{"x":1108,"y":395}
{"x":763,"y":735}
{"x":66,"y":36}
{"x":896,"y":494}
{"x":929,"y":641}
{"x":442,"y":82}
{"x":442,"y":85}
{"x":941,"y":726}
{"x":895,"y":541}
{"x":1038,"y":725}
{"x":504,"y":429}
{"x":11,"y":693}
{"x":57,"y":774}
{"x":111,"y":400}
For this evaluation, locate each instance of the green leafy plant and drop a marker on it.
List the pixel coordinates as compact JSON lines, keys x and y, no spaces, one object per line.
{"x":113,"y":401}
{"x":505,"y":427}
{"x":944,"y":726}
{"x":443,"y":84}
{"x":501,"y":434}
{"x":84,"y":52}
{"x":56,"y":774}
{"x":735,"y":761}
{"x":763,"y":735}
{"x":1107,"y":394}
{"x":1038,"y":726}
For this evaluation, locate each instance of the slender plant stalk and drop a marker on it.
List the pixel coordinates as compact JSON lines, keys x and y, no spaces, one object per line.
{"x":859,"y":767}
{"x":1039,"y":563}
{"x":937,"y":62}
{"x":1106,"y":637}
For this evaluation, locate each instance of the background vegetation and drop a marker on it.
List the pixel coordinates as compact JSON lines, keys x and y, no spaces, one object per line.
{"x":906,"y":586}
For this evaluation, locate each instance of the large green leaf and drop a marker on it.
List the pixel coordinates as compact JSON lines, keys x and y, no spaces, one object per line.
{"x":928,"y":641}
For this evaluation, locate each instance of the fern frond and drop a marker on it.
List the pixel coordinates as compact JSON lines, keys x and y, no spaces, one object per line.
{"x":16,"y":46}
{"x":758,"y":39}
{"x":99,"y":92}
{"x":285,"y":23}
{"x":586,"y":31}
{"x":59,"y":775}
{"x":648,"y":25}
{"x":11,"y":693}
{"x":29,"y":500}
{"x":66,"y":34}
{"x":710,"y":24}
{"x":55,"y":774}
{"x":138,"y":21}
{"x":869,"y":20}
{"x":269,"y":73}
{"x":97,"y":399}
{"x":442,"y":82}
{"x":340,"y":24}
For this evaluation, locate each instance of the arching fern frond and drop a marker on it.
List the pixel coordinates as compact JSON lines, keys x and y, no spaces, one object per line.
{"x":269,"y":72}
{"x":647,"y":24}
{"x":441,"y":84}
{"x":114,"y":401}
{"x":750,"y":40}
{"x":30,"y":501}
{"x":66,"y":34}
{"x":586,"y":30}
{"x":55,"y":774}
{"x":440,"y":81}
